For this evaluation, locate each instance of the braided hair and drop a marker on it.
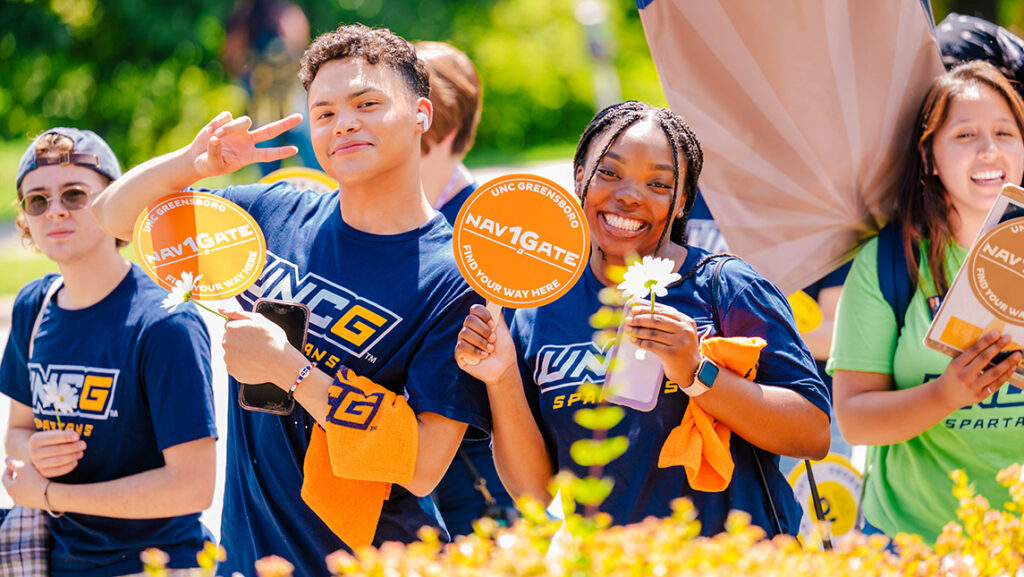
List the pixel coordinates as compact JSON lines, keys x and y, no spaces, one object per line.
{"x":615,"y":120}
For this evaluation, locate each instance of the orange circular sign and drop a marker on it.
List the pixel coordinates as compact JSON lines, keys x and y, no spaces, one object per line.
{"x":205,"y":235}
{"x":303,"y":178}
{"x":521,"y":241}
{"x":996,"y":270}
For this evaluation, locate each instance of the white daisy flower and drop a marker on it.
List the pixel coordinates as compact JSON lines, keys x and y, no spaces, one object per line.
{"x":63,"y":397}
{"x":66,"y":400}
{"x":49,"y":395}
{"x":650,"y":276}
{"x":182,"y":291}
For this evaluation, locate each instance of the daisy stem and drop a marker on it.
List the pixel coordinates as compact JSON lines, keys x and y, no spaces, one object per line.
{"x":209,"y":309}
{"x":56,"y":411}
{"x":652,"y":302}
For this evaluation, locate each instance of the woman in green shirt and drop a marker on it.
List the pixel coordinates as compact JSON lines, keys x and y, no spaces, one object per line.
{"x":923,"y":414}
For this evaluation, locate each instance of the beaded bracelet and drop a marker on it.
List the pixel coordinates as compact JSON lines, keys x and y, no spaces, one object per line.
{"x":302,"y":375}
{"x":46,"y":500}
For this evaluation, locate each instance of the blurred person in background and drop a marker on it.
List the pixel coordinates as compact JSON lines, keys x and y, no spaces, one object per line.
{"x":457,"y":96}
{"x":966,"y":38}
{"x":471,"y":488}
{"x":264,"y":40}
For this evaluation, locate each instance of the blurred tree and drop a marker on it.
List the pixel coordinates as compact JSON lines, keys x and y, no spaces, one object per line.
{"x":987,"y":9}
{"x":1007,"y":13}
{"x":141,"y":74}
{"x":147,"y":74}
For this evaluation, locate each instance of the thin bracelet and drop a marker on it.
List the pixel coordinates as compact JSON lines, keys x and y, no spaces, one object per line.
{"x":46,"y":500}
{"x":302,"y":375}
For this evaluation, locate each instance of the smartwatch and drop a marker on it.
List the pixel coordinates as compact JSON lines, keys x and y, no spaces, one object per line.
{"x":704,"y":379}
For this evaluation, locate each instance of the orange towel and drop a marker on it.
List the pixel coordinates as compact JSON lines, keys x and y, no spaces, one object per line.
{"x":370,"y":443}
{"x":700,"y":443}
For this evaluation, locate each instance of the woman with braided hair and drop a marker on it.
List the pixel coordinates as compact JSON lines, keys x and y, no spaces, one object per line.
{"x":636,"y":171}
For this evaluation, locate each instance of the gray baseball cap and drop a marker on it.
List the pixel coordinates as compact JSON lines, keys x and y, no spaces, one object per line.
{"x":90,"y":151}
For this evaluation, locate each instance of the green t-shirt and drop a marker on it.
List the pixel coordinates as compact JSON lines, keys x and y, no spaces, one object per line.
{"x":908,"y":488}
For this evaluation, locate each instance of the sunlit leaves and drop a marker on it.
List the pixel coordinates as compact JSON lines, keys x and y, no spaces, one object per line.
{"x":589,"y":452}
{"x":600,"y":418}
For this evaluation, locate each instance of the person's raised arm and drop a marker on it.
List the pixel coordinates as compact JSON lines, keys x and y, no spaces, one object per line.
{"x":223,"y":146}
{"x":870,"y":408}
{"x":777,"y":419}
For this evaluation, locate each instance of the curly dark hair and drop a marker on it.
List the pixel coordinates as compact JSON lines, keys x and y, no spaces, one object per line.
{"x":375,"y":45}
{"x":616,"y":119}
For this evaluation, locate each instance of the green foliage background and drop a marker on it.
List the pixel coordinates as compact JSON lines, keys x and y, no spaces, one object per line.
{"x":147,"y":74}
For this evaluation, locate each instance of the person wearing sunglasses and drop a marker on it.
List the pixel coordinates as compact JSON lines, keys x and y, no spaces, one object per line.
{"x":112,"y":428}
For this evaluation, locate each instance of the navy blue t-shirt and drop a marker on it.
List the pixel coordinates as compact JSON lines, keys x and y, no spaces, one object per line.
{"x":450,"y":210}
{"x":701,"y":229}
{"x":457,"y":497}
{"x":143,"y":384}
{"x":557,"y":354}
{"x":387,"y":306}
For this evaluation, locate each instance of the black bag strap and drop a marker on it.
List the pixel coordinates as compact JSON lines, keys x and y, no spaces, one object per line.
{"x":715,"y":283}
{"x":762,"y":477}
{"x":479,"y":483}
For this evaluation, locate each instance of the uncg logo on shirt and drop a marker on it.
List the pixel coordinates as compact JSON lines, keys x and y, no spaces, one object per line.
{"x":560,"y":366}
{"x":351,"y":407}
{"x":85,"y":392}
{"x":975,"y":416}
{"x":337,"y":315}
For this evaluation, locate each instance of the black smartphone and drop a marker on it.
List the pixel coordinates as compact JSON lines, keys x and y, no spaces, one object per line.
{"x":294,"y":319}
{"x":1001,"y":356}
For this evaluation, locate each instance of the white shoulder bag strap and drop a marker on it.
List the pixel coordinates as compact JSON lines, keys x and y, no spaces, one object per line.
{"x":52,"y":290}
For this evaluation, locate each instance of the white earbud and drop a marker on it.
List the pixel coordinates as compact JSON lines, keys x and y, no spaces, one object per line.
{"x":423,"y":120}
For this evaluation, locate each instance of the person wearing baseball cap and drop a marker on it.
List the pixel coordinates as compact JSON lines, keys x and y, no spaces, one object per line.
{"x":112,"y":429}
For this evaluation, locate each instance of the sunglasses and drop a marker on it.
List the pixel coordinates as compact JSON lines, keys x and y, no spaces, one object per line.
{"x":37,"y":204}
